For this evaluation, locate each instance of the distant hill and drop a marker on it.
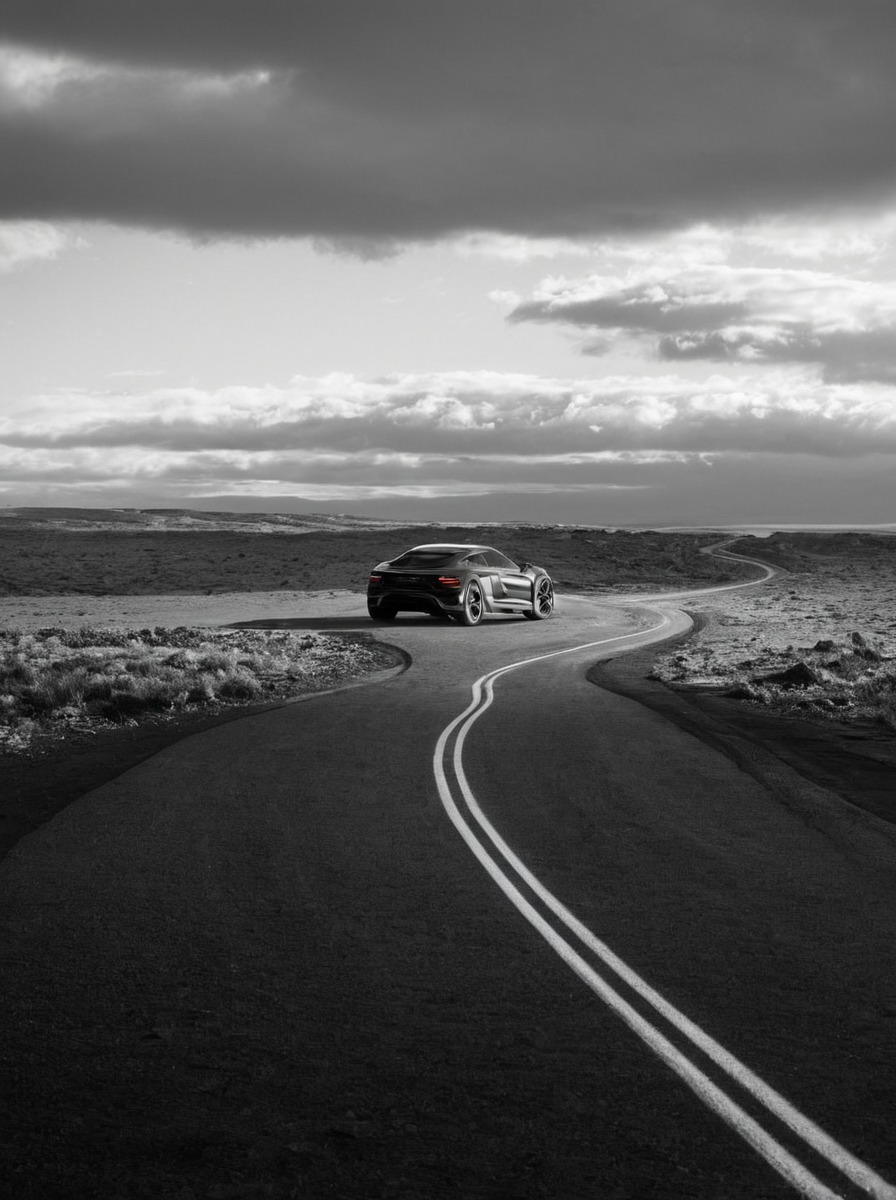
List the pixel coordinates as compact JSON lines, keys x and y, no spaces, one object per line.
{"x":163,"y":519}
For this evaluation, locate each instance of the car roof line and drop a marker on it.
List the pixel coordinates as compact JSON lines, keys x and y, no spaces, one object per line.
{"x":449,"y":546}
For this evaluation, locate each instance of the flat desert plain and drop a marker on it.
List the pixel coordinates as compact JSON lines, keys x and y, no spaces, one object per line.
{"x":106,"y":553}
{"x":814,"y":648}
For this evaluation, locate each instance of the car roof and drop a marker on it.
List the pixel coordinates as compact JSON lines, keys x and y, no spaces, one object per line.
{"x":450,"y":547}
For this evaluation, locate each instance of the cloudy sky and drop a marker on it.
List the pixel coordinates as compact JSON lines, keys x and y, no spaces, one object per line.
{"x":597,"y":261}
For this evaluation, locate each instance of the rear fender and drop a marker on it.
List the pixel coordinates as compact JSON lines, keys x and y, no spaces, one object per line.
{"x":486,"y":583}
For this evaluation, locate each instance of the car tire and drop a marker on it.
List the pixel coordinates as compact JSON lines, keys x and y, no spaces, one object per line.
{"x":379,"y":612}
{"x":472,"y":605}
{"x":543,"y":604}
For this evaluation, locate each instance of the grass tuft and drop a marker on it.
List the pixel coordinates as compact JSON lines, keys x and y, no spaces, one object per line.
{"x":55,"y":680}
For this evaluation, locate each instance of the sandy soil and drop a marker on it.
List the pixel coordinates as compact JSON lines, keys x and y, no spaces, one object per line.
{"x":822,"y":596}
{"x":142,"y":612}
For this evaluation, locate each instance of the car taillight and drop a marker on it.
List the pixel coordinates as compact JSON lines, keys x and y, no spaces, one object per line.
{"x":375,"y":579}
{"x":450,"y":581}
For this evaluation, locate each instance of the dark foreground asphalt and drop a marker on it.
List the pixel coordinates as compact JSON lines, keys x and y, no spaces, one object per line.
{"x":263,"y":963}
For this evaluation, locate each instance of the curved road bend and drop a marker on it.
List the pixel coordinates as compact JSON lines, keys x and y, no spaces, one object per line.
{"x":265,"y":963}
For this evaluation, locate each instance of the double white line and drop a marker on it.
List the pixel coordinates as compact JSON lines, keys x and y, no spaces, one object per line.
{"x":509,"y":873}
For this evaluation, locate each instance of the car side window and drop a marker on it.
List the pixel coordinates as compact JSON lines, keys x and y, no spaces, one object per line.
{"x":475,"y":560}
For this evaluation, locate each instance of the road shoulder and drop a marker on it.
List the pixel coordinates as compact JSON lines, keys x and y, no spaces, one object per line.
{"x":807,"y":762}
{"x":40,"y":783}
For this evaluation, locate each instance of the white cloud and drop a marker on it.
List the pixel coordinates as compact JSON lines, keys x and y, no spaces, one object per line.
{"x":774,"y":446}
{"x":459,"y":424}
{"x":649,"y":300}
{"x":811,"y":238}
{"x":734,"y":294}
{"x":24,"y":242}
{"x":32,"y":80}
{"x":505,"y":298}
{"x":858,"y":235}
{"x":29,"y":78}
{"x":519,"y":249}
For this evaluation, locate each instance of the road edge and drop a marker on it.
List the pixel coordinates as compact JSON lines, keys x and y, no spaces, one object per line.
{"x":53,"y":790}
{"x":824,"y":808}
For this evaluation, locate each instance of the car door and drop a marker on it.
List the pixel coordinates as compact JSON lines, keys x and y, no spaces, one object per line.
{"x":509,"y":582}
{"x":485,"y":566}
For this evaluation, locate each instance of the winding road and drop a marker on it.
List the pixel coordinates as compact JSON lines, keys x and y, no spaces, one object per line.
{"x":476,"y":929}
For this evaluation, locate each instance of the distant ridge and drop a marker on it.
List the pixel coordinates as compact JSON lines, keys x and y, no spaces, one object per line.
{"x":124,"y":520}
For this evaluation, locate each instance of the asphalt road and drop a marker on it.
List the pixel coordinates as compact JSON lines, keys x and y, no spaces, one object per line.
{"x":356,"y":947}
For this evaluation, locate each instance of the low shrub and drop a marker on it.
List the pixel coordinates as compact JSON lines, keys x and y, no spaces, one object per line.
{"x":57,"y":679}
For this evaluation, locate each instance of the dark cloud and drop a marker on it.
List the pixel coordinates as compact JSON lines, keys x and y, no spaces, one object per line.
{"x":747,"y":316}
{"x":852,"y":357}
{"x":400,"y":119}
{"x":635,"y":309}
{"x":844,"y":356}
{"x":688,"y":431}
{"x":713,"y":346}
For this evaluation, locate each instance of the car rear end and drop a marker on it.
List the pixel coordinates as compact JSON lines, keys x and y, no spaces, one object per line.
{"x":426,"y":578}
{"x":392,"y":588}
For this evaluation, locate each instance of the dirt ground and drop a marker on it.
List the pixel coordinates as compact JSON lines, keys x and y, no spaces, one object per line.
{"x":145,"y":612}
{"x":90,"y":557}
{"x":831,"y":619}
{"x":835,"y":586}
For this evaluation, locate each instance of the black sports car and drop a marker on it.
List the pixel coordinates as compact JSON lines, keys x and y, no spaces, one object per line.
{"x":460,"y":581}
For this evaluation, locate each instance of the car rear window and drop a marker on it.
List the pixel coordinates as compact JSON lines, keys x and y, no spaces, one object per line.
{"x":423,"y":558}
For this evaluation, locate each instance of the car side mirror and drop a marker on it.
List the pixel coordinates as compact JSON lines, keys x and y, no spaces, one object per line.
{"x":524,"y":566}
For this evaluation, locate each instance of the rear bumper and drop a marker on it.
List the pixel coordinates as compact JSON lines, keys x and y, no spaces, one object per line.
{"x":413,"y":600}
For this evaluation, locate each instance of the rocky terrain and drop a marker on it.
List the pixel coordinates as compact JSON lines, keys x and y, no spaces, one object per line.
{"x":818,"y":641}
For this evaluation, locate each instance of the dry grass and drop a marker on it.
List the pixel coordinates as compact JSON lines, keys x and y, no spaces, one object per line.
{"x":53,"y":681}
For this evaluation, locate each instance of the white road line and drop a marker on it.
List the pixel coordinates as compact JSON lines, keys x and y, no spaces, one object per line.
{"x":770,"y":573}
{"x":782,"y":1161}
{"x":773,"y":1152}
